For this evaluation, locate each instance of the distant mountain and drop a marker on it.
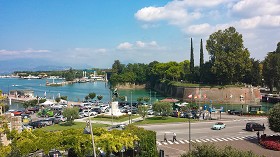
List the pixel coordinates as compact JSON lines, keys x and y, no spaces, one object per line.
{"x":9,"y":66}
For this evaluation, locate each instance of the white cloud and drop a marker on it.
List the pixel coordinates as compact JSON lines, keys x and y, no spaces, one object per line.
{"x":124,"y":46}
{"x":138,"y":45}
{"x":199,"y":29}
{"x":251,"y":8}
{"x":22,"y":52}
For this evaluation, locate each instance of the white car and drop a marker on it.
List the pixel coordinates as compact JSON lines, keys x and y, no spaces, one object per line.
{"x":89,"y":113}
{"x":218,"y":126}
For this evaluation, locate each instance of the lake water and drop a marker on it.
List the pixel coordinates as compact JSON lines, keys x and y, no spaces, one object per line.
{"x":75,"y":92}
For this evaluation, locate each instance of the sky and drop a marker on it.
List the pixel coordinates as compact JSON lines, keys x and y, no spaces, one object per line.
{"x":95,"y":33}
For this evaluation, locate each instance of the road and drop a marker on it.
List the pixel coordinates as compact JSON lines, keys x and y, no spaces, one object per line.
{"x":202,"y":129}
{"x":234,"y":134}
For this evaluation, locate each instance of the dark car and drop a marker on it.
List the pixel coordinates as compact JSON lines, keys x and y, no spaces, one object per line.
{"x":33,"y":109}
{"x":37,"y":124}
{"x":253,"y":126}
{"x":234,"y":112}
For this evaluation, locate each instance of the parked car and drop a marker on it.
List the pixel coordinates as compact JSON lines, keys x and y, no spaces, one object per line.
{"x":118,"y":127}
{"x":60,"y":118}
{"x":26,"y":127}
{"x":89,"y":113}
{"x":33,"y":109}
{"x":37,"y":124}
{"x":234,"y":112}
{"x":97,"y":110}
{"x":218,"y":126}
{"x":253,"y":126}
{"x":150,"y":112}
{"x":81,"y":115}
{"x":17,"y":113}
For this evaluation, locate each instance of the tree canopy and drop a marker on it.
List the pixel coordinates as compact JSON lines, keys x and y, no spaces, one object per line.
{"x":274,"y":118}
{"x":271,"y":69}
{"x":230,"y":60}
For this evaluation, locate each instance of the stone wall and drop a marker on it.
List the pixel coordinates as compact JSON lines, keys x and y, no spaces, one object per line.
{"x":229,"y":95}
{"x":130,"y":86}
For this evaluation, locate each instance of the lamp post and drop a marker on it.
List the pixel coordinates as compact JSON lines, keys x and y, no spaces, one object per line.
{"x":91,"y":133}
{"x":189,"y":134}
{"x":130,"y":120}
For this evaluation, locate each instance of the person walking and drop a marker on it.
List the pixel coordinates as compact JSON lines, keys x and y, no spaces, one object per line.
{"x":174,"y":137}
{"x":165,"y":139}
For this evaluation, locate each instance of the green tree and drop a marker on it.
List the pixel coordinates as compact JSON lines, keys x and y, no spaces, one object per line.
{"x":91,"y":95}
{"x":163,"y":108}
{"x":271,"y":69}
{"x":63,"y":97}
{"x":192,"y":58}
{"x":71,"y":114}
{"x":201,"y":63}
{"x":69,"y":75}
{"x":99,"y":97}
{"x":146,"y":99}
{"x":274,"y":118}
{"x":86,"y":98}
{"x":254,"y":77}
{"x":139,"y":100}
{"x":117,"y":67}
{"x":207,"y":150}
{"x":57,"y":99}
{"x":143,"y":111}
{"x":230,"y":60}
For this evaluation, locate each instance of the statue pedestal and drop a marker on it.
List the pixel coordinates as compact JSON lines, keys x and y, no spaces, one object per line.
{"x":115,"y":111}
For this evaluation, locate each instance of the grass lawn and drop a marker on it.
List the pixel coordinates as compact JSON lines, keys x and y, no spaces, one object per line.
{"x":155,"y":120}
{"x":115,"y":119}
{"x":77,"y":125}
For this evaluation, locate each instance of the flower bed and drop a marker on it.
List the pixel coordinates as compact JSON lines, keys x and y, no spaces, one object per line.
{"x":271,"y":142}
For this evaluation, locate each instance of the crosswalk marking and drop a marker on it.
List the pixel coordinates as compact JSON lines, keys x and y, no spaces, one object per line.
{"x":203,"y":140}
{"x":219,"y":139}
{"x":234,"y":138}
{"x":224,"y":139}
{"x":182,"y":142}
{"x":229,"y":139}
{"x":239,"y":138}
{"x":187,"y":141}
{"x":158,"y":143}
{"x":207,"y":140}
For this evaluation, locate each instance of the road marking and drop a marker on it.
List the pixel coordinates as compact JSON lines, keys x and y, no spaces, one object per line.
{"x":214,"y":140}
{"x":193,"y":141}
{"x":208,"y":140}
{"x":158,"y":143}
{"x":169,"y":142}
{"x":239,"y":138}
{"x":182,"y":142}
{"x":176,"y":142}
{"x":203,"y":140}
{"x":224,"y":139}
{"x":187,"y":141}
{"x":219,"y":139}
{"x":229,"y":139}
{"x":198,"y":141}
{"x":235,"y":138}
{"x":164,"y":143}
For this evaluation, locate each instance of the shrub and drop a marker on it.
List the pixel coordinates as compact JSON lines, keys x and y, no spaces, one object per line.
{"x":271,"y":142}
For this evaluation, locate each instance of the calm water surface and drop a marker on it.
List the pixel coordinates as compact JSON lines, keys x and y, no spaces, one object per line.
{"x":75,"y":92}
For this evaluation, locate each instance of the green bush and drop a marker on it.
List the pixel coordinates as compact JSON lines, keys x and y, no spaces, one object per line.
{"x":147,"y":141}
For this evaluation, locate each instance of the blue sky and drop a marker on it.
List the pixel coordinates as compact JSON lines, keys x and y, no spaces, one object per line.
{"x":94,"y":33}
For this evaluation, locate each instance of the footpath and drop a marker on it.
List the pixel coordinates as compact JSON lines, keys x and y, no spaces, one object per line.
{"x":108,"y":122}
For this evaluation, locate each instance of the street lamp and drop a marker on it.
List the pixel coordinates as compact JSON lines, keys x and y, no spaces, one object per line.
{"x":189,"y":133}
{"x":89,"y":131}
{"x":129,"y":113}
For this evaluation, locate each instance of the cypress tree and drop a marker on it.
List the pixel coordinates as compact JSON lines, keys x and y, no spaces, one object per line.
{"x":201,"y":60}
{"x":192,"y":59}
